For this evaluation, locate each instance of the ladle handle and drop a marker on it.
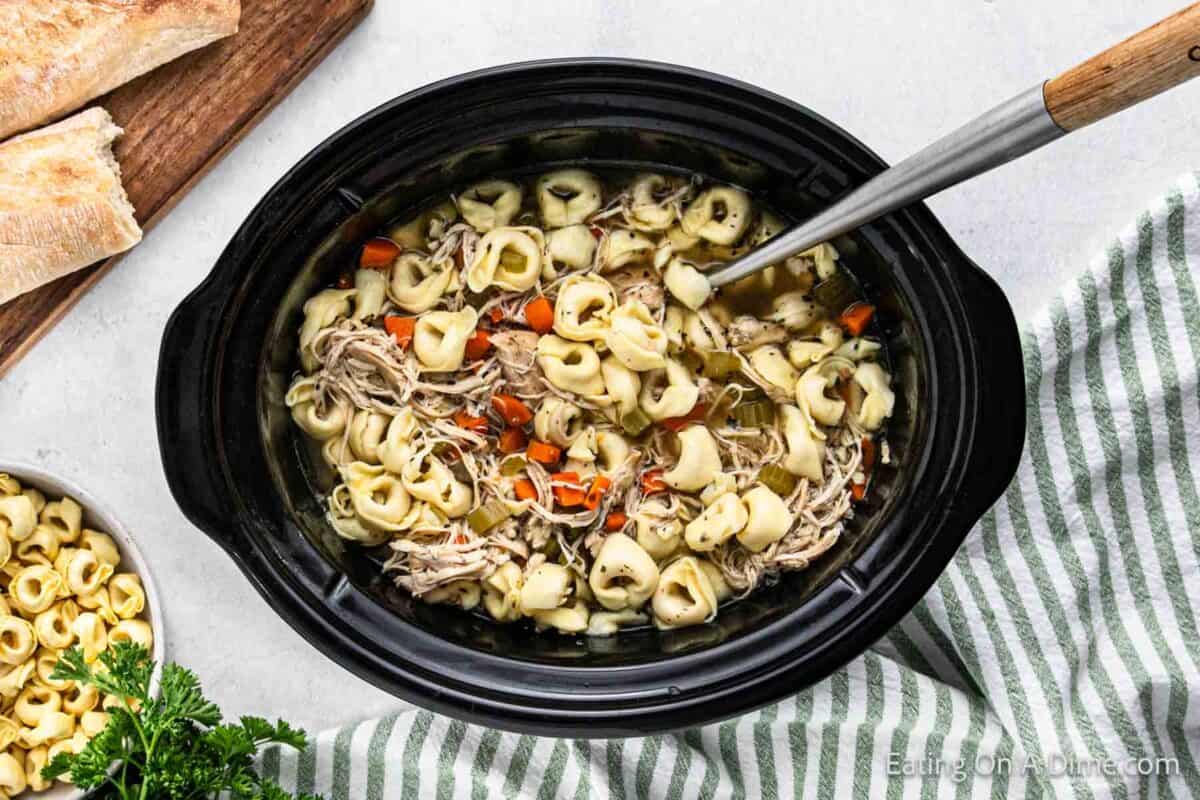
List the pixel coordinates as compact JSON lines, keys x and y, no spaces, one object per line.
{"x":1144,"y":65}
{"x":1139,"y":68}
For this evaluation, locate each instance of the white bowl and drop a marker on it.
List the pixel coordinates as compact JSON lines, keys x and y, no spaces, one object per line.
{"x":98,"y":516}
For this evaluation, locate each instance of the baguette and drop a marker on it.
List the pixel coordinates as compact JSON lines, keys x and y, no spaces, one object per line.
{"x":62,"y":206}
{"x":56,"y":55}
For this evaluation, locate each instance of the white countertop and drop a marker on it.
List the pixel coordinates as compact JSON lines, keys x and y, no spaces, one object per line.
{"x":81,"y":403}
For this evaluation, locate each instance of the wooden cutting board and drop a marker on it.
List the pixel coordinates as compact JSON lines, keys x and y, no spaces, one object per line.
{"x":179,"y":121}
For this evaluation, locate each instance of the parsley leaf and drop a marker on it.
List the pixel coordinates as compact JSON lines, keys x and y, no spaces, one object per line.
{"x":171,"y":746}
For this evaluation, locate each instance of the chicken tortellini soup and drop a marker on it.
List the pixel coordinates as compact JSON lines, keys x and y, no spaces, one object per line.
{"x":64,"y":586}
{"x":536,"y":408}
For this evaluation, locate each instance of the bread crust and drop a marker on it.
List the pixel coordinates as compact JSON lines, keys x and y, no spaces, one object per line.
{"x":56,"y":55}
{"x":62,"y":205}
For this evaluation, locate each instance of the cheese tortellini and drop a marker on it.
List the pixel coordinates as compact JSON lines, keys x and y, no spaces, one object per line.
{"x":668,"y":392}
{"x":685,"y":595}
{"x":508,"y":258}
{"x":623,"y":574}
{"x":571,"y":366}
{"x":635,"y":339}
{"x":417,"y":283}
{"x":440,"y":339}
{"x":539,"y":410}
{"x":568,"y":197}
{"x":583,"y":309}
{"x":490,"y":204}
{"x":65,"y":588}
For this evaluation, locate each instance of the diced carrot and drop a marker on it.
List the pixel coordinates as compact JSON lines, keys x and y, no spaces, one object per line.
{"x":474,"y":424}
{"x":540,"y":314}
{"x":378,"y":252}
{"x":595,"y":492}
{"x":652,"y":482}
{"x":868,"y":455}
{"x":511,"y":410}
{"x":856,"y":318}
{"x":543,"y":453}
{"x":512,"y":440}
{"x":615,"y":521}
{"x":597,"y":232}
{"x":460,"y":538}
{"x":478,"y":345}
{"x":570,"y":495}
{"x":676,"y":424}
{"x":525,"y":489}
{"x":496,"y":315}
{"x":858,"y":491}
{"x":401,"y":329}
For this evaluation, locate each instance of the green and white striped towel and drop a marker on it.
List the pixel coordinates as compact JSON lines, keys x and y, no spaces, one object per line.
{"x":1057,"y":656}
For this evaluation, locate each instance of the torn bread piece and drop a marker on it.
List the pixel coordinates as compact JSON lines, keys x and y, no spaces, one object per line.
{"x":62,"y":205}
{"x":56,"y":55}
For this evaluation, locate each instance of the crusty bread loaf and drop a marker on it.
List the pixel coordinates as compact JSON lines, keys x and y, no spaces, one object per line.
{"x":55,"y":55}
{"x":62,"y":205}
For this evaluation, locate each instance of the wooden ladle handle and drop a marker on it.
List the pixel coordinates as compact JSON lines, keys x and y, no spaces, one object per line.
{"x":1145,"y":64}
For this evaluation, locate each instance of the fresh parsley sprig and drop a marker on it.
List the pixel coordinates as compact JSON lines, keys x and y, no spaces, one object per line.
{"x":170,"y":747}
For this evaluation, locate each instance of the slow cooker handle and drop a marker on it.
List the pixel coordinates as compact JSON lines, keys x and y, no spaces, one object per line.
{"x":1000,"y":440}
{"x":186,"y":418}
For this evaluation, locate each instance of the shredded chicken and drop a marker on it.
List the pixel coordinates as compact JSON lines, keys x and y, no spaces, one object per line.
{"x":361,"y":367}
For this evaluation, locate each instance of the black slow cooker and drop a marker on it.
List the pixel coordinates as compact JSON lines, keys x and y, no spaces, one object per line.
{"x":240,"y":471}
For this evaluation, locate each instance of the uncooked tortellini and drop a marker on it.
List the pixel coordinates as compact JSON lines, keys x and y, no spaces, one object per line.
{"x":17,"y":517}
{"x":18,"y":640}
{"x":635,"y":338}
{"x":64,"y":518}
{"x":568,"y":197}
{"x":684,"y":595}
{"x":35,"y":588}
{"x":440,"y":338}
{"x":623,"y":574}
{"x":508,"y":258}
{"x":490,"y":204}
{"x":89,"y":629}
{"x":720,"y":215}
{"x":570,"y":366}
{"x":583,"y":308}
{"x":127,"y":595}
